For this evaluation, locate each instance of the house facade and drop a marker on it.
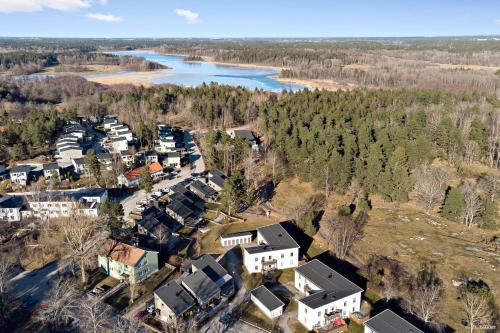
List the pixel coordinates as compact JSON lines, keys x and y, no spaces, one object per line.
{"x":267,"y":302}
{"x":173,"y":302}
{"x":127,"y":263}
{"x":327,"y":295}
{"x":10,"y":208}
{"x":19,"y":174}
{"x":236,"y":238}
{"x":276,"y":250}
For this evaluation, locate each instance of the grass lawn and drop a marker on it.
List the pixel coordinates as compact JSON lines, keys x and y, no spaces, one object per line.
{"x":296,"y":326}
{"x":253,"y":314}
{"x":287,"y":275}
{"x":372,"y":297}
{"x":120,"y":300}
{"x":251,"y":281}
{"x":355,"y":328}
{"x":314,"y":250}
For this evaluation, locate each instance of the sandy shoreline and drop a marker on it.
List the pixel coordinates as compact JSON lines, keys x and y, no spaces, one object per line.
{"x":319,"y":84}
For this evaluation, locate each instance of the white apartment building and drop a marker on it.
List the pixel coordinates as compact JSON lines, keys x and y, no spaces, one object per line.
{"x":54,"y":204}
{"x":327,"y":295}
{"x":10,"y":208}
{"x":276,"y":250}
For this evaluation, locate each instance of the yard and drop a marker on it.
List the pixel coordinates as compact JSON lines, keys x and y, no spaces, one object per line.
{"x":121,"y":299}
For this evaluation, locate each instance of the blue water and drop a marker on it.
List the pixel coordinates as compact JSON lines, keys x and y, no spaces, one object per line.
{"x":191,"y":74}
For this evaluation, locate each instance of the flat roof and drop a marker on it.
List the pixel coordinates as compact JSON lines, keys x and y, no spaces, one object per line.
{"x":333,"y":285}
{"x":389,"y":322}
{"x":175,"y":297}
{"x":236,"y":234}
{"x":267,"y":298}
{"x":276,"y":235}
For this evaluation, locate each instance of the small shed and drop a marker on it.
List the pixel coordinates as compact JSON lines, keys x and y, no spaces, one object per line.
{"x":267,"y":302}
{"x":236,"y":238}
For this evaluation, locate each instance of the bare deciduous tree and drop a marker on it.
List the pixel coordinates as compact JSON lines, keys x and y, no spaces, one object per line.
{"x":60,"y":307}
{"x":426,"y":294}
{"x":471,"y":151}
{"x":343,"y":232}
{"x":82,"y":237}
{"x":430,"y":185}
{"x":472,"y":204}
{"x":477,"y":306}
{"x":126,"y":326}
{"x":493,"y":141}
{"x":94,"y":316}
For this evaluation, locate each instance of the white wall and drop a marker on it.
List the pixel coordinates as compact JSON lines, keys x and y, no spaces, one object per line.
{"x":285,"y":259}
{"x":310,"y":317}
{"x":270,"y":314}
{"x":10,"y":214}
{"x":236,"y":240}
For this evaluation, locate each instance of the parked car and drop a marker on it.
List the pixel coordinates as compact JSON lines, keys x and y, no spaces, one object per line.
{"x":150,"y":307}
{"x":140,"y":208}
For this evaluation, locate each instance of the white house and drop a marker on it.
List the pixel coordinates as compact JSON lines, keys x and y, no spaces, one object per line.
{"x":68,"y":153}
{"x":267,"y":302}
{"x":327,"y":295}
{"x":119,"y":144}
{"x":236,"y":238}
{"x":165,"y":144}
{"x":389,"y":322}
{"x":10,"y":208}
{"x":50,"y":170}
{"x":216,"y":179}
{"x":108,"y":121}
{"x":173,"y":159}
{"x":79,"y":165}
{"x":19,"y":174}
{"x":276,"y":250}
{"x":127,"y":157}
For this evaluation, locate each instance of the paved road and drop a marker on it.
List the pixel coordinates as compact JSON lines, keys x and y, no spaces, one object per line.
{"x":36,"y":284}
{"x":197,"y":165}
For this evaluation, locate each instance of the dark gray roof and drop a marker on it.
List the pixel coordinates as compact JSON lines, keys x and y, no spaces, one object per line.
{"x":175,"y":297}
{"x":264,"y":248}
{"x":182,"y":198}
{"x":202,"y":188}
{"x":173,"y":154}
{"x":201,"y":286}
{"x":180,"y":209}
{"x":119,"y":138}
{"x":267,"y":298}
{"x":276,"y":235}
{"x":20,"y":169}
{"x":389,"y":322}
{"x":153,"y":217}
{"x":151,"y":153}
{"x":178,"y":188}
{"x":109,"y":121}
{"x":66,"y":196}
{"x":217,"y":177}
{"x":236,"y":234}
{"x":125,"y":153}
{"x":245,"y":134}
{"x":79,"y":161}
{"x":210,"y":267}
{"x":333,"y":285}
{"x":51,"y":166}
{"x":9,"y":201}
{"x":104,"y":156}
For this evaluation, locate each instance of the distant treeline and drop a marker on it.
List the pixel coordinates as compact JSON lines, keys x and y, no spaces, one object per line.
{"x":24,"y":62}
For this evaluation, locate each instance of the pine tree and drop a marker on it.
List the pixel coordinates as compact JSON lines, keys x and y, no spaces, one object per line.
{"x":489,"y":215}
{"x":397,"y":178}
{"x":234,"y":194}
{"x":93,"y":165}
{"x":145,"y":180}
{"x":453,"y":207}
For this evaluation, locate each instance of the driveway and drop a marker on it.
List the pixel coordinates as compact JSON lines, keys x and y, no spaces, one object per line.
{"x":196,"y":165}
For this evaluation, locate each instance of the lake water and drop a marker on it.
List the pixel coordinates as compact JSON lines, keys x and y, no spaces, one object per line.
{"x":192,"y":74}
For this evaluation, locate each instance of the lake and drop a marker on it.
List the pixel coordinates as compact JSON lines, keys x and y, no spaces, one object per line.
{"x":192,"y":74}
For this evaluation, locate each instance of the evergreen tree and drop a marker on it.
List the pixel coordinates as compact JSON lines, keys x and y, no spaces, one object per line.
{"x":453,"y":207}
{"x":489,"y":216}
{"x":145,"y":180}
{"x":397,"y":178}
{"x":234,"y":195}
{"x":93,"y":165}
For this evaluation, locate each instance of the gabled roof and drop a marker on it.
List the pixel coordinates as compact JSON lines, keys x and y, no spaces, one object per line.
{"x":245,"y":134}
{"x":173,"y":154}
{"x":21,"y":169}
{"x":333,"y":285}
{"x":79,"y":161}
{"x":11,"y":202}
{"x":204,"y":189}
{"x":201,"y":286}
{"x":70,"y":148}
{"x":276,"y":235}
{"x":135,"y":173}
{"x":210,"y":267}
{"x":175,"y":297}
{"x":51,"y":166}
{"x":389,"y":322}
{"x":121,"y":252}
{"x":180,"y":209}
{"x":153,"y":217}
{"x":267,"y":298}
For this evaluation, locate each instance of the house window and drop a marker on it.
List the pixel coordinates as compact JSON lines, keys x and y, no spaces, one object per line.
{"x":282,"y":255}
{"x":256,"y":259}
{"x":319,"y":313}
{"x":345,"y":303}
{"x":305,"y":310}
{"x":269,"y":257}
{"x":256,"y":268}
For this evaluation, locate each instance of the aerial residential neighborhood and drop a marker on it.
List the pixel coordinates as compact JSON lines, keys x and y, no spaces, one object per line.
{"x":249,"y":166}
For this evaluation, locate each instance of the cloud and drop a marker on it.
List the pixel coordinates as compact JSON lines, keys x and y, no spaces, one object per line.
{"x":9,"y":6}
{"x":190,"y":16}
{"x":104,"y":17}
{"x":498,"y":21}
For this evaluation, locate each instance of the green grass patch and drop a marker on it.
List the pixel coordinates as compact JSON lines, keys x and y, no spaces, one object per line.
{"x":355,"y":328}
{"x":372,"y":297}
{"x":314,"y":250}
{"x":120,"y":299}
{"x":251,"y":281}
{"x":287,"y":275}
{"x":296,"y":326}
{"x":213,"y":206}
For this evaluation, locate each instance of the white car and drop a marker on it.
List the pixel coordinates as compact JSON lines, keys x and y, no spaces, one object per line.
{"x":140,"y":208}
{"x":144,"y":201}
{"x":150,"y":308}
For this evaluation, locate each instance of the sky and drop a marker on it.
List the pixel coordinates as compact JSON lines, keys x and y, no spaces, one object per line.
{"x":251,"y":18}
